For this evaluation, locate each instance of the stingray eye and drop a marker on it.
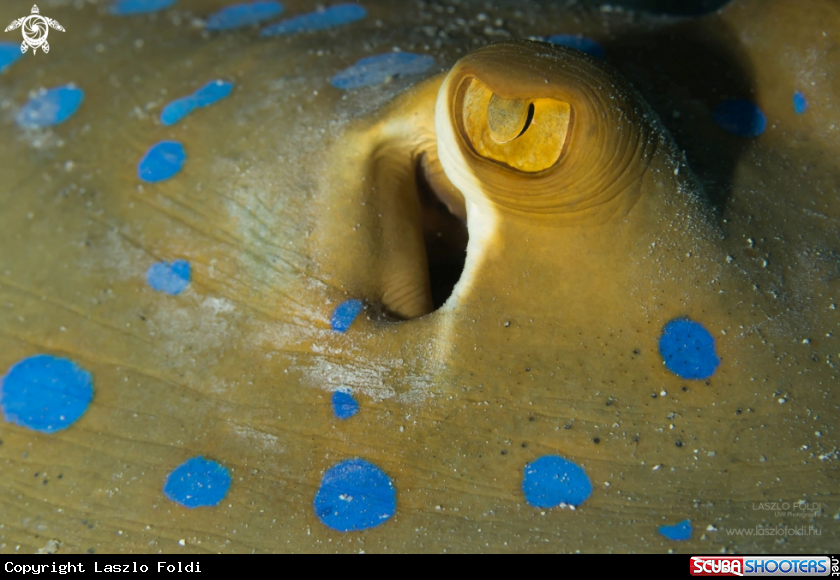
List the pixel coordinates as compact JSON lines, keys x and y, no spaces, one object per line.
{"x":543,"y":133}
{"x":525,"y":134}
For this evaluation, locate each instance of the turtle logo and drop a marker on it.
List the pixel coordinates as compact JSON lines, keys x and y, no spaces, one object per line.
{"x":35,"y":30}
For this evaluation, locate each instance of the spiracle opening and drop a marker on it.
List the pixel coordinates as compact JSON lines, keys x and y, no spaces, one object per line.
{"x":444,"y":232}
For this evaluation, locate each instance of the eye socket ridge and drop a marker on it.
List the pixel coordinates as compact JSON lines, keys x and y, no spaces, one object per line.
{"x":525,"y":135}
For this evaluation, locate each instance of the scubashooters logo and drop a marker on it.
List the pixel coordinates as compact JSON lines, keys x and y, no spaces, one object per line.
{"x":35,"y":30}
{"x":764,"y":566}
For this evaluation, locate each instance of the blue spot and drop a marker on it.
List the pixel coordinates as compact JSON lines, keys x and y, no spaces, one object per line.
{"x":345,"y":314}
{"x":197,"y":482}
{"x":374,"y":70}
{"x":332,"y":16}
{"x":344,"y":405}
{"x":169,"y":277}
{"x":677,"y":532}
{"x":162,"y":161}
{"x":800,"y":105}
{"x":740,"y":117}
{"x":206,"y":95}
{"x":45,"y":393}
{"x":177,"y":110}
{"x":552,"y":480}
{"x":688,"y":349}
{"x":9,"y":53}
{"x":212,"y":92}
{"x":355,"y":495}
{"x":241,"y":15}
{"x":129,"y":7}
{"x":580,"y":43}
{"x":50,"y":107}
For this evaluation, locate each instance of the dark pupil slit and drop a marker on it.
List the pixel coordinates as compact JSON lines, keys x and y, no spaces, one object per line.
{"x":528,"y":120}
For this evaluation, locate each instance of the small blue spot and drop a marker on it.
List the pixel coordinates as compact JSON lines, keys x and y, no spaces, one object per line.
{"x":345,"y":314}
{"x":129,"y":7}
{"x":177,"y":110}
{"x":552,"y":480}
{"x":206,"y":95}
{"x":580,"y":43}
{"x":45,"y":393}
{"x":677,"y":532}
{"x":50,"y":107}
{"x":688,"y":349}
{"x":9,"y":53}
{"x":162,"y":161}
{"x":375,"y":70}
{"x":241,"y":15}
{"x":800,"y":104}
{"x":321,"y":20}
{"x":740,"y":117}
{"x":355,"y":495}
{"x":212,"y":92}
{"x":169,"y":277}
{"x":197,"y":482}
{"x":344,"y":405}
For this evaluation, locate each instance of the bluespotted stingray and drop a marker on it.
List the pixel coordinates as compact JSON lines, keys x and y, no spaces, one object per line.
{"x":575,"y":298}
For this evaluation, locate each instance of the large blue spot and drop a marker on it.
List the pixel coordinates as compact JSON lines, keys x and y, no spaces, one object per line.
{"x":50,"y":107}
{"x":344,"y":315}
{"x":9,"y":53}
{"x":129,"y":7}
{"x":375,"y":70}
{"x":800,"y":104}
{"x":552,"y":480}
{"x":355,"y":495}
{"x":677,"y":532}
{"x":197,"y":482}
{"x":206,"y":95}
{"x":162,"y":161}
{"x":580,"y":43}
{"x":688,"y":349}
{"x":169,"y":277}
{"x":740,"y":117}
{"x":45,"y":393}
{"x":344,"y":405}
{"x":241,"y":15}
{"x":332,"y":16}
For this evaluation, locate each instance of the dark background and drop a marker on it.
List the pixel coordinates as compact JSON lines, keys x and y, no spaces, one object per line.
{"x":676,"y":7}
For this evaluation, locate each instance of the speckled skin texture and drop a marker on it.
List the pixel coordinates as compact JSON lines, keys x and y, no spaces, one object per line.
{"x":551,"y":349}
